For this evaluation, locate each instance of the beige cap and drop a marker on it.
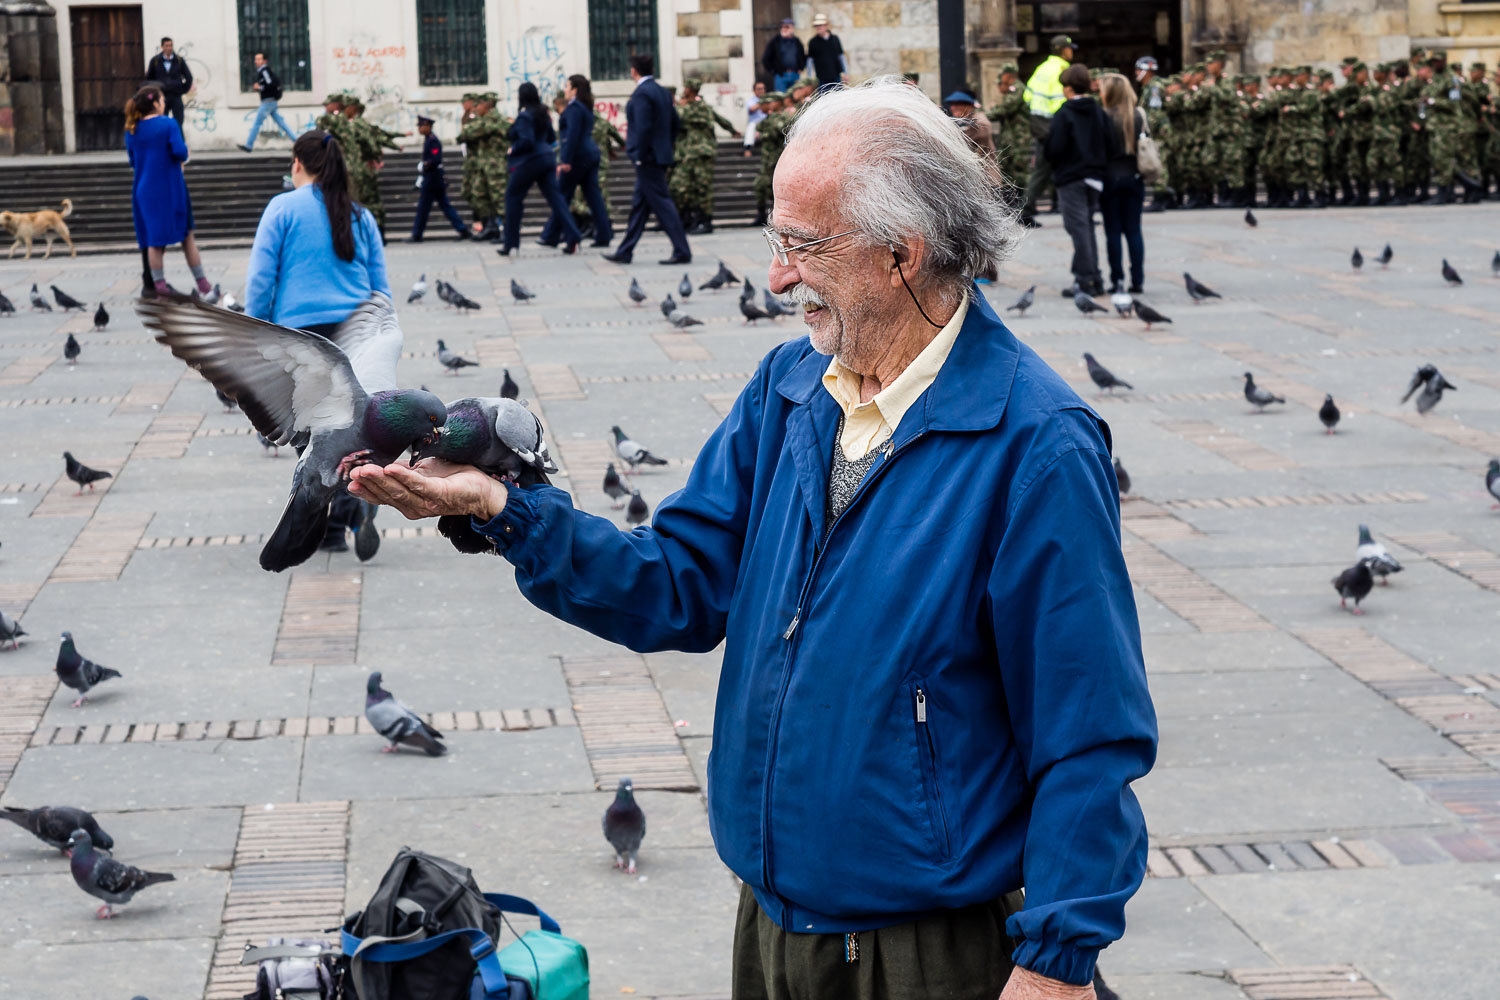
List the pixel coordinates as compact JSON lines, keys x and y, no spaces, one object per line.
{"x":819,"y":19}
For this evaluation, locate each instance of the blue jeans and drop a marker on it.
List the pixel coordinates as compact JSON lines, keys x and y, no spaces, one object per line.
{"x":268,"y":108}
{"x":1121,"y":208}
{"x":784,"y":81}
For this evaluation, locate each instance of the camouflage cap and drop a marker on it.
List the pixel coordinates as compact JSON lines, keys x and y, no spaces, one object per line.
{"x":1302,"y":70}
{"x":334,"y":99}
{"x":692,"y":83}
{"x":1479,"y":66}
{"x":1438,"y":61}
{"x":806,"y":81}
{"x":489,"y":96}
{"x":472,"y":97}
{"x":1217,"y":55}
{"x":1350,"y":60}
{"x":1010,"y":68}
{"x":1355,"y":67}
{"x":1325,"y":74}
{"x":774,"y":95}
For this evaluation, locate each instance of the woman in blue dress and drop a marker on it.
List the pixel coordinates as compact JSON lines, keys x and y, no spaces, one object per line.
{"x":533,"y":160}
{"x":159,"y":197}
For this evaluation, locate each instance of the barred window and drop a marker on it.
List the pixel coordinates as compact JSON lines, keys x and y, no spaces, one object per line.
{"x":279,"y":29}
{"x":450,"y":42}
{"x":618,"y":29}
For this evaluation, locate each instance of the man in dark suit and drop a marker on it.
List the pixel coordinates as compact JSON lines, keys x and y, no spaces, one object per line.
{"x":651,"y":126}
{"x":171,"y":71}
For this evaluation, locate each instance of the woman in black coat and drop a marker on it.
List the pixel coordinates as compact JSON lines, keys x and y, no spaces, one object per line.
{"x":1124,"y":190}
{"x":578,"y":160}
{"x":533,"y":160}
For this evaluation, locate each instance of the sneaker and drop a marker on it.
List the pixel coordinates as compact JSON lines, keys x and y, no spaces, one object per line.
{"x":245,"y":148}
{"x":366,"y":535}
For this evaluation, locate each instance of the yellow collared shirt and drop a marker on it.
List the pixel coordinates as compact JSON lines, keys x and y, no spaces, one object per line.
{"x":868,"y":425}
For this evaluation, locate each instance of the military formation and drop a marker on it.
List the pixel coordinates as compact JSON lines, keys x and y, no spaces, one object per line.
{"x":362,"y":143}
{"x":1417,"y":130}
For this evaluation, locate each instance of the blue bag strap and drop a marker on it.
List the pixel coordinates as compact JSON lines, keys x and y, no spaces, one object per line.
{"x":480,"y":947}
{"x":515,"y":904}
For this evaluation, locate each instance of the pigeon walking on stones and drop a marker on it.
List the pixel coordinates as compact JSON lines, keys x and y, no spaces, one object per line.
{"x":519,"y":292}
{"x":636,"y":292}
{"x":1102,"y":376}
{"x":452,"y":361}
{"x":1258,"y":397}
{"x":1087,"y":305}
{"x":82,"y":474}
{"x":268,"y":444}
{"x":78,"y":672}
{"x":1357,"y":259}
{"x":1024,"y":302}
{"x":1250,"y":219}
{"x":682,"y":320}
{"x":1329,"y":413}
{"x":636,"y":511}
{"x":1149,"y":315}
{"x":1122,"y":478}
{"x":774,"y":307}
{"x":632,"y":453}
{"x":1492,"y":482}
{"x":1384,"y":260}
{"x":668,"y":306}
{"x":1374,"y":554}
{"x":685,"y":286}
{"x":10,"y":631}
{"x":67,"y":301}
{"x":1122,"y":302}
{"x":418,"y":289}
{"x":1432,"y":383}
{"x":614,"y":488}
{"x":54,"y":825}
{"x":1450,"y":275}
{"x":1355,"y":582}
{"x":751,"y":311}
{"x":713,"y":284}
{"x":71,"y":350}
{"x":226,"y":401}
{"x":625,"y":826}
{"x":101,"y":317}
{"x":7,"y":307}
{"x":102,"y":877}
{"x":747,"y":292}
{"x":39,"y":301}
{"x":508,"y":387}
{"x":729,"y":276}
{"x":1495,"y":264}
{"x":338,"y":391}
{"x":397,"y":723}
{"x":1197,"y":290}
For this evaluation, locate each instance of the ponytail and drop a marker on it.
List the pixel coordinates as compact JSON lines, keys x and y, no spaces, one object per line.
{"x":323,"y":160}
{"x":141,"y":104}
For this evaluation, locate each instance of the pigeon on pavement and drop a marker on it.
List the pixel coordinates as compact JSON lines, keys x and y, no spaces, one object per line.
{"x":1384,"y":260}
{"x":1087,"y":305}
{"x":71,"y":350}
{"x":519,"y":292}
{"x":747,"y":292}
{"x":1122,"y":302}
{"x":502,"y":439}
{"x":636,"y":510}
{"x":1354,"y":582}
{"x":1432,"y":382}
{"x":625,"y":826}
{"x":1450,"y":275}
{"x":101,"y":317}
{"x":102,"y":877}
{"x":1329,"y":412}
{"x":685,"y":286}
{"x":38,"y":300}
{"x":729,"y":276}
{"x":461,"y":301}
{"x":1122,"y":478}
{"x":713,"y":284}
{"x":682,"y":320}
{"x":340,"y":391}
{"x":7,"y":307}
{"x":1492,"y":482}
{"x":268,"y":444}
{"x":1250,"y":219}
{"x":53,"y":825}
{"x":1357,"y":259}
{"x":1258,"y":397}
{"x":1495,"y":264}
{"x":444,"y":290}
{"x":1024,"y":302}
{"x":79,"y":673}
{"x":632,"y":453}
{"x":82,"y":474}
{"x":418,"y":289}
{"x":10,"y":631}
{"x":1102,"y":376}
{"x":508,"y":387}
{"x":751,"y":311}
{"x":668,"y":305}
{"x":1374,"y":554}
{"x":1145,"y":312}
{"x":225,"y":401}
{"x":613,"y":488}
{"x":1197,"y":290}
{"x":67,"y":301}
{"x":775,"y":308}
{"x":451,"y":361}
{"x":397,"y":723}
{"x":637,"y":293}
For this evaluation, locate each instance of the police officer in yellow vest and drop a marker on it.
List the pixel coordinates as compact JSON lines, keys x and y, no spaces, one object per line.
{"x":1044,"y":95}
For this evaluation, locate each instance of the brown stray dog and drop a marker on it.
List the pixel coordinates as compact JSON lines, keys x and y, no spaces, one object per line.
{"x":27,"y":226}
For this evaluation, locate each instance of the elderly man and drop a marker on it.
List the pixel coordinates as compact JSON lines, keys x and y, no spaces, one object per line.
{"x":906,"y":537}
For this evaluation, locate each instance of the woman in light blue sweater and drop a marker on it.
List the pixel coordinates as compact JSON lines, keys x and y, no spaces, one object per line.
{"x":317,"y":255}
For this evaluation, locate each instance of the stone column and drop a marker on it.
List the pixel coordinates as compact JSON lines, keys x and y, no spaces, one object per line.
{"x":992,"y":44}
{"x":30,"y":85}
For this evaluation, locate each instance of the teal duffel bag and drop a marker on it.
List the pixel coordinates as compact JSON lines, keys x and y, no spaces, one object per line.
{"x":554,"y":966}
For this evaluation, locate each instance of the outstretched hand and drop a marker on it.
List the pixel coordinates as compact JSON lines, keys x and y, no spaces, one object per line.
{"x":431,"y":488}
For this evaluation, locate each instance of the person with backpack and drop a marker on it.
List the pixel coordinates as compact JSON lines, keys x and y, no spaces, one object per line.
{"x":270,"y":93}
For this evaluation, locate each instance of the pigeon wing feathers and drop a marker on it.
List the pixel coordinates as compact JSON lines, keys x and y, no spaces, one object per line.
{"x":371,"y":338}
{"x":521,"y":431}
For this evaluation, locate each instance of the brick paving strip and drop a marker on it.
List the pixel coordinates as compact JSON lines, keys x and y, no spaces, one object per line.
{"x":319,"y":619}
{"x":624,"y":723}
{"x":499,"y":719}
{"x":23,"y":370}
{"x":1454,"y":553}
{"x":16,"y":597}
{"x":1283,"y":856}
{"x":1208,"y":435}
{"x":1153,"y":522}
{"x":1308,"y":500}
{"x":1313,"y":982}
{"x":290,"y":864}
{"x":168,"y":436}
{"x":669,"y":377}
{"x":145,"y":397}
{"x":1185,"y":593}
{"x":681,"y":347}
{"x":555,"y":382}
{"x":58,"y":400}
{"x":23,"y":699}
{"x":202,"y":541}
{"x":101,"y":550}
{"x":22,"y":487}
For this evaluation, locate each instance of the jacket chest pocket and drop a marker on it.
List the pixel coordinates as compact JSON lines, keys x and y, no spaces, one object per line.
{"x":928,"y":740}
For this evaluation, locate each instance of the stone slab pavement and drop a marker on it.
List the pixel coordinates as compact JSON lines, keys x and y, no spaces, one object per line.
{"x":1325,"y":813}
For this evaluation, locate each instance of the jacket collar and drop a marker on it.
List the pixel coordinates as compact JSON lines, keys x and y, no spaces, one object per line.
{"x":970,"y":391}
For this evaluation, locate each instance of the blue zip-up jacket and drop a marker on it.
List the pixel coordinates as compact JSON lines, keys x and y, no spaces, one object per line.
{"x":940,"y":701}
{"x":531,"y":137}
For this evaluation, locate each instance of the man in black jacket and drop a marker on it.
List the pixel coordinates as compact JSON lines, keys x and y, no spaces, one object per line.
{"x":652,"y":124}
{"x":1077,"y":148}
{"x":784,"y":57}
{"x":171,"y":71}
{"x":270,"y":92}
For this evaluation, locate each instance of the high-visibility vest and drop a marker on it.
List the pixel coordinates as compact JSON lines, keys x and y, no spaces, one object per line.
{"x":1044,"y":91}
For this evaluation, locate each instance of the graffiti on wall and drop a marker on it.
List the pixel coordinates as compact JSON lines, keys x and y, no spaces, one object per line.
{"x":537,"y":56}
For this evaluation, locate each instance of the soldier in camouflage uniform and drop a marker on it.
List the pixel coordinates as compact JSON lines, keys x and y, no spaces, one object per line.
{"x":1489,"y":131}
{"x":470,"y":164}
{"x":1340,"y":160}
{"x":1186,"y":159}
{"x":1387,"y":118}
{"x":335,"y":124}
{"x":1228,"y":124}
{"x":486,"y":139}
{"x":1440,"y":98}
{"x":1329,"y":107}
{"x":772,"y":133}
{"x":1169,"y":141}
{"x":1301,"y":128}
{"x":1356,"y":119}
{"x":692,"y":183}
{"x":1012,"y":134}
{"x":1469,"y":145}
{"x":370,"y":139}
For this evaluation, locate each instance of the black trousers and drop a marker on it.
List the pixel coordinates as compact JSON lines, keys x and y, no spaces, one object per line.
{"x":434,"y":193}
{"x":541,"y":171}
{"x":651,"y":195}
{"x":586,"y":176}
{"x":174,"y":108}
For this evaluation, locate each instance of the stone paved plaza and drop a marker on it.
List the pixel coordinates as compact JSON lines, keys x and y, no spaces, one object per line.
{"x":1325,"y":810}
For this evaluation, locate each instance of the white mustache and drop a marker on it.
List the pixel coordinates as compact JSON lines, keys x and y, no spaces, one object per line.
{"x":801,"y":295}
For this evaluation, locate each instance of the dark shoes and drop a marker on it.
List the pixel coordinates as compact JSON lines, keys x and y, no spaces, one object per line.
{"x":1136,"y":290}
{"x":616,"y":258}
{"x":703,"y":227}
{"x":245,"y":148}
{"x":464,"y":234}
{"x":545,"y":243}
{"x":570,"y":249}
{"x":676,"y":259}
{"x":366,"y":535}
{"x":333,"y":538}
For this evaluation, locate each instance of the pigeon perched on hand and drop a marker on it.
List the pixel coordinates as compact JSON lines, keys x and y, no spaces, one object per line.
{"x":1149,"y":315}
{"x":71,"y":350}
{"x":82,"y":474}
{"x":1122,"y":478}
{"x":1102,"y":376}
{"x":1374,"y":554}
{"x":636,"y":292}
{"x":751,"y":311}
{"x":668,"y":305}
{"x":508,"y":387}
{"x":418,"y":289}
{"x":67,"y":301}
{"x":1384,"y":260}
{"x":625,"y":826}
{"x":775,"y":308}
{"x":1357,"y":259}
{"x":79,"y":673}
{"x":1329,"y":413}
{"x":636,"y":511}
{"x":500,"y":438}
{"x":102,"y":877}
{"x":1122,"y":302}
{"x":101,"y":317}
{"x":685,"y":286}
{"x":1024,"y":302}
{"x":1250,"y":219}
{"x":632,"y":453}
{"x":451,"y":360}
{"x":1087,"y":305}
{"x":10,"y":631}
{"x":397,"y":723}
{"x":340,"y":391}
{"x":1492,"y":482}
{"x":614,"y":488}
{"x":7,"y":307}
{"x":1258,"y":397}
{"x":54,"y":825}
{"x":1432,"y":383}
{"x":519,"y":292}
{"x":1197,"y":290}
{"x":38,"y":300}
{"x":1355,"y":582}
{"x":1450,"y":275}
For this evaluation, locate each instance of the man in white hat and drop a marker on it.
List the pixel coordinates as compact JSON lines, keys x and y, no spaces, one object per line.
{"x":825,"y":55}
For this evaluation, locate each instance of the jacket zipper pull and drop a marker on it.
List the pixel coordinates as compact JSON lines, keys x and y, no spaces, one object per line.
{"x":921,"y":705}
{"x":793,"y":626}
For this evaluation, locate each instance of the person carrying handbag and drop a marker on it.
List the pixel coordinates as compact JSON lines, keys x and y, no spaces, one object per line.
{"x":1132,"y":156}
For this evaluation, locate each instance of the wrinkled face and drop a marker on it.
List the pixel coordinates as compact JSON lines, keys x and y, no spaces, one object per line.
{"x":786,"y":31}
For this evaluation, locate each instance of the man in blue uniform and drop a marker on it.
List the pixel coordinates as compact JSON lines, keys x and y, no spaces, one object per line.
{"x":434,"y":186}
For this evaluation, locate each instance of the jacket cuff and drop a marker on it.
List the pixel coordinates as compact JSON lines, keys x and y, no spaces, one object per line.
{"x":514,"y":523}
{"x":1057,"y":961}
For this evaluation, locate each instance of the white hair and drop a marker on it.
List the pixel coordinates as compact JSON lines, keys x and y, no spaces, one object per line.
{"x":911,"y":171}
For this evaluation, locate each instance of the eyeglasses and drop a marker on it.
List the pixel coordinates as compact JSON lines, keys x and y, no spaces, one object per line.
{"x":781,"y":253}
